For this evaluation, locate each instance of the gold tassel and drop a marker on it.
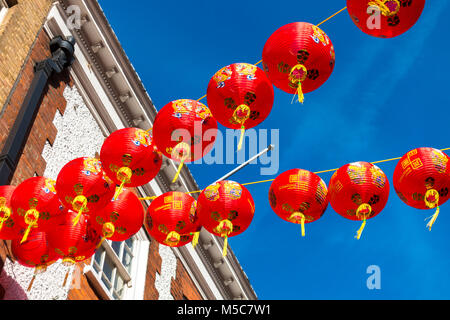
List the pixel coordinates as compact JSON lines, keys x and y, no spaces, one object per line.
{"x":300,"y":95}
{"x":241,"y":139}
{"x":31,"y":221}
{"x":83,"y":200}
{"x":303,"y":225}
{"x":65,"y":278}
{"x":178,"y":171}
{"x":361,"y":229}
{"x":118,"y":191}
{"x":195,"y":239}
{"x":6,"y":214}
{"x":31,"y":282}
{"x":433,"y":218}
{"x":27,"y":232}
{"x":225,"y":245}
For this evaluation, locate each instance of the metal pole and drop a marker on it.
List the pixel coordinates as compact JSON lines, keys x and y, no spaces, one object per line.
{"x":62,"y":58}
{"x":229,"y":174}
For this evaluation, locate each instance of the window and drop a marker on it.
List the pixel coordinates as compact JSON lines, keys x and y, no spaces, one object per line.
{"x":113,"y":263}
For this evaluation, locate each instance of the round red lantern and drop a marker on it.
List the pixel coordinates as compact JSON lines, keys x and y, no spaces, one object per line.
{"x":73,"y":242}
{"x":83,"y":186}
{"x":225,"y":209}
{"x":298,"y":196}
{"x":179,"y":130}
{"x":171,"y":219}
{"x":35,"y":205}
{"x":121,"y":218}
{"x":422,"y":179}
{"x":385,"y":18}
{"x":240,"y":96}
{"x":130,"y":158}
{"x":35,"y":253}
{"x":9,"y":229}
{"x":358,"y":191}
{"x":298,"y":58}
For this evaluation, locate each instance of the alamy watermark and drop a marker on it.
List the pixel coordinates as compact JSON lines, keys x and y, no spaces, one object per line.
{"x":374,"y":280}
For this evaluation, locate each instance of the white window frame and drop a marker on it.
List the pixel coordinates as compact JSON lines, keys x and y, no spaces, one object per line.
{"x":134,"y":279}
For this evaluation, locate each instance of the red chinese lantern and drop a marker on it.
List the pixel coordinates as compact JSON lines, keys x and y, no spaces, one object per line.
{"x":240,"y":96}
{"x":130,"y":158}
{"x":422,"y":179}
{"x":73,"y":243}
{"x":83,"y":186}
{"x":358,"y":191}
{"x":179,"y":129}
{"x":298,"y":196}
{"x":225,"y":209}
{"x":298,"y":58}
{"x":9,"y":229}
{"x":121,"y":218}
{"x":171,"y":219}
{"x":385,"y":18}
{"x":35,"y":253}
{"x":35,"y":205}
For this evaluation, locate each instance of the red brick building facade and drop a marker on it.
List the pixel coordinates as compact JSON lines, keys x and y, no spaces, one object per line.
{"x":99,"y":94}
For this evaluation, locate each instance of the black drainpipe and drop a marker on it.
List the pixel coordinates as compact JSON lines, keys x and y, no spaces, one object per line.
{"x":62,"y":58}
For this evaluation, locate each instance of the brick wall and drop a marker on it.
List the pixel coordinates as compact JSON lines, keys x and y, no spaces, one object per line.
{"x":17,"y":34}
{"x":182,"y":286}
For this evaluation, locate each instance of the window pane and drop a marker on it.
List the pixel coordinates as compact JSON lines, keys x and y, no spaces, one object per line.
{"x":116,"y":247}
{"x":108,"y":268}
{"x":129,"y":243}
{"x":98,"y":256}
{"x":126,"y":260}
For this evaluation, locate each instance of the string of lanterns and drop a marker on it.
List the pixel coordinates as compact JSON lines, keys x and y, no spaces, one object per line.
{"x":89,"y":202}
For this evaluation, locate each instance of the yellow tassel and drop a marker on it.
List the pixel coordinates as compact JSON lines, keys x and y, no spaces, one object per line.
{"x":361,"y":229}
{"x":241,"y":139}
{"x":6,"y":214}
{"x":76,"y":206}
{"x":178,"y":171}
{"x":31,"y":282}
{"x":101,"y":241}
{"x":118,"y":191}
{"x":77,"y":218}
{"x":195,"y":239}
{"x":225,"y":245}
{"x":27,"y":232}
{"x":303,"y":225}
{"x":433,"y":218}
{"x":65,"y":278}
{"x":300,"y":95}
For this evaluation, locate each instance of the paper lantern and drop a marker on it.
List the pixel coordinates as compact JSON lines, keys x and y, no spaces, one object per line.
{"x":385,"y":18}
{"x":171,"y":219}
{"x":240,"y":96}
{"x":35,"y":205}
{"x":298,"y":196}
{"x":298,"y":58}
{"x":35,"y":253}
{"x":9,"y":228}
{"x":358,"y":191}
{"x":121,"y":218}
{"x":73,"y":242}
{"x":180,"y":131}
{"x":422,"y":179}
{"x":130,"y":158}
{"x":225,"y":209}
{"x":83,"y":186}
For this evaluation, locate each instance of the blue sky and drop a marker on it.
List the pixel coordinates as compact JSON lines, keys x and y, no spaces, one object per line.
{"x":384,"y":98}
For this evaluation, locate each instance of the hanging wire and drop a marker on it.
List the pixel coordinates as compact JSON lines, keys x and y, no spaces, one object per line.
{"x":271,"y":180}
{"x":330,"y":17}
